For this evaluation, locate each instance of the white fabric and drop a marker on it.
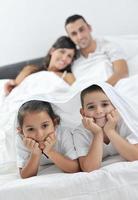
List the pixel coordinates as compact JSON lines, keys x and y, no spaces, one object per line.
{"x":64,"y":145}
{"x":116,"y":181}
{"x":106,"y":52}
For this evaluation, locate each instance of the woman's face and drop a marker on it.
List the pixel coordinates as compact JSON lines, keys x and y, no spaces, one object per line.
{"x":61,"y":58}
{"x":37,"y":126}
{"x":97,"y":105}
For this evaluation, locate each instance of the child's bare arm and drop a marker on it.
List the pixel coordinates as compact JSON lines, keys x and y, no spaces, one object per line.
{"x":64,"y":163}
{"x":124,"y":148}
{"x":93,"y":159}
{"x":31,"y":167}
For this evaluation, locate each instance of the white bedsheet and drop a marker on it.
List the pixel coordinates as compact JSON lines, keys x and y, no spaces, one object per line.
{"x":115,"y":181}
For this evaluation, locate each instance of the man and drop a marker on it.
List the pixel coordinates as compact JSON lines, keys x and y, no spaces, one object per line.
{"x":92,"y":50}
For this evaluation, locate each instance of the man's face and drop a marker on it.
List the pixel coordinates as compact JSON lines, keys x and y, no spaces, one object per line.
{"x":80,"y":33}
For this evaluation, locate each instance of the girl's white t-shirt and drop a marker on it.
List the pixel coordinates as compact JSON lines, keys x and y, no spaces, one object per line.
{"x":64,"y":145}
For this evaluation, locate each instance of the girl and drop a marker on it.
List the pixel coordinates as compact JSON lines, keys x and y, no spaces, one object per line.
{"x":41,"y":140}
{"x":109,"y":126}
{"x":59,"y":59}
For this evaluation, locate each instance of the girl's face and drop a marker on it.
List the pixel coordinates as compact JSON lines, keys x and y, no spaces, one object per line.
{"x":37,"y":126}
{"x":97,"y":105}
{"x":61,"y":58}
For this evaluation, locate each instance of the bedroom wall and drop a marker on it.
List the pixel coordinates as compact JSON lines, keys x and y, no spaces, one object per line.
{"x":29,"y":27}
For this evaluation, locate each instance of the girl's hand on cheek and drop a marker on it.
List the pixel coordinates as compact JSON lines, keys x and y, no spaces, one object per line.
{"x":49,"y":143}
{"x":90,"y":125}
{"x":32,"y":145}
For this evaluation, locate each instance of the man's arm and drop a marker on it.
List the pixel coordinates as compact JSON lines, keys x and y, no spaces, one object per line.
{"x":120,"y":69}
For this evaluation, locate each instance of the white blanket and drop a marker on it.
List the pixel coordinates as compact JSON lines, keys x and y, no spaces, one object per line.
{"x":116,"y":181}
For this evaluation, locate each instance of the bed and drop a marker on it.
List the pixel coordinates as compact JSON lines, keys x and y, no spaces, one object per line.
{"x":117,"y":178}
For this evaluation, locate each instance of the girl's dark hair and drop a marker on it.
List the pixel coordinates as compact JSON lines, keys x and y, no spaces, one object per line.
{"x":61,"y":43}
{"x":36,"y":106}
{"x":88,"y":90}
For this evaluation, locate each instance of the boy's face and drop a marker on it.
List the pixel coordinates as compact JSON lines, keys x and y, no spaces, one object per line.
{"x":37,"y":126}
{"x":80,"y":33}
{"x":96,"y":105}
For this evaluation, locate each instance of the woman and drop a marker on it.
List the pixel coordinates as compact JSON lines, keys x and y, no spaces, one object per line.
{"x":59,"y":59}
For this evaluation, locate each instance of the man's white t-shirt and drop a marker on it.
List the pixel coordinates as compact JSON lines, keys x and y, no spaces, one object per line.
{"x":64,"y":145}
{"x":105,"y":52}
{"x":83,"y":139}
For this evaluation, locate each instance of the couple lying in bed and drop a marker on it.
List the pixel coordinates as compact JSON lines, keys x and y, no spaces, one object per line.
{"x":63,"y":53}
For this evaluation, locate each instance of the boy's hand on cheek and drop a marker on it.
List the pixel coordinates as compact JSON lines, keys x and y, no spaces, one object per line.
{"x":91,"y":125}
{"x":49,"y":143}
{"x":112,"y":119}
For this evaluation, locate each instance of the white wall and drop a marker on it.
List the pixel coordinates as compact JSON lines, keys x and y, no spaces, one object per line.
{"x":29,"y":27}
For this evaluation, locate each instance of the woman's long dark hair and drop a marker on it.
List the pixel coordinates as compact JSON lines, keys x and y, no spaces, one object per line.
{"x":61,"y":42}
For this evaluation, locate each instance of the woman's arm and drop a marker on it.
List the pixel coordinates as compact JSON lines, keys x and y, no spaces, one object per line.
{"x":69,"y":78}
{"x":26,"y":71}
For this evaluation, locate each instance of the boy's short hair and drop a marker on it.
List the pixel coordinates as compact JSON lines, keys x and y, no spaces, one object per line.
{"x":88,"y":90}
{"x":73,"y":18}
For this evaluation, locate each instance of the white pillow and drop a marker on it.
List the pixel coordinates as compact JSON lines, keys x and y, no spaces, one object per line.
{"x":133,"y":65}
{"x":128,"y":43}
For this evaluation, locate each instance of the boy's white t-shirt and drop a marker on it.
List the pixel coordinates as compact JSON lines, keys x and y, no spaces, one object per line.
{"x":83,"y":140}
{"x":106,"y":51}
{"x":64,"y":145}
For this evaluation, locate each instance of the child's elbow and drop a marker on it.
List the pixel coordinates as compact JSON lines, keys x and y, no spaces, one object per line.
{"x":87,"y":168}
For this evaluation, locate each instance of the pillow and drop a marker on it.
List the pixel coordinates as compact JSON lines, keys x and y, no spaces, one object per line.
{"x":133,"y":65}
{"x":129,"y":44}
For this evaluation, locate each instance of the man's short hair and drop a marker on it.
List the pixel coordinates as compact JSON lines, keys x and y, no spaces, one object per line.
{"x":73,"y":18}
{"x":88,"y":90}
